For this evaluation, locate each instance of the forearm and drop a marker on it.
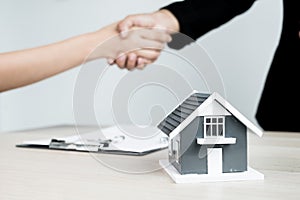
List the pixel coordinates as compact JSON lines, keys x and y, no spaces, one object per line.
{"x":197,"y":17}
{"x":24,"y":67}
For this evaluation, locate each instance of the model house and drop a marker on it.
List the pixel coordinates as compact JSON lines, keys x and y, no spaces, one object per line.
{"x":208,"y":136}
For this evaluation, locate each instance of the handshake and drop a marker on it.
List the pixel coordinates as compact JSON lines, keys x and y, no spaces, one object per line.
{"x":137,"y":40}
{"x":130,"y":43}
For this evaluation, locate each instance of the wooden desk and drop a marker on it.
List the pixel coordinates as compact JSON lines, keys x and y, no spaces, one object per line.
{"x":42,"y":174}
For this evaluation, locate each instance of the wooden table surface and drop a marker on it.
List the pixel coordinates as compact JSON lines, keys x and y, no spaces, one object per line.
{"x":43,"y":174}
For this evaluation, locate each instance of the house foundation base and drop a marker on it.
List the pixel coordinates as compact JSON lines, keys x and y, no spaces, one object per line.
{"x":251,"y":174}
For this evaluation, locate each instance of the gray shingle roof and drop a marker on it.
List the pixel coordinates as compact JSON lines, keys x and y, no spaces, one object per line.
{"x":182,"y":112}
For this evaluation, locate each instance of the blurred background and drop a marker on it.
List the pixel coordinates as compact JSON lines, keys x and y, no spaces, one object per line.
{"x":241,"y":51}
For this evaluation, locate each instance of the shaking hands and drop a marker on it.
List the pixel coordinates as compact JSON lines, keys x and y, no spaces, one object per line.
{"x":147,"y":35}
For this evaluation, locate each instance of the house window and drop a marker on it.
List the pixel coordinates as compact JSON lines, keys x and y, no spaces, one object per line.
{"x":171,"y":148}
{"x":177,"y":153}
{"x":214,"y":126}
{"x":176,"y":148}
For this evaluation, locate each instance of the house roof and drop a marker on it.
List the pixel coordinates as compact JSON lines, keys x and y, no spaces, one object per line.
{"x":182,"y":112}
{"x":192,"y":107}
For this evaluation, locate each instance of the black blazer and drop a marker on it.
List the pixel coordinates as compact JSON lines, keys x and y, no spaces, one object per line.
{"x":279,"y":106}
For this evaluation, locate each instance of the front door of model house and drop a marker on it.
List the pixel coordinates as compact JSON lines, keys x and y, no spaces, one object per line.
{"x":214,"y":161}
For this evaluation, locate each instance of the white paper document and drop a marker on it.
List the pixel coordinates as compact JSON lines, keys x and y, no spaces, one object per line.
{"x":125,"y":139}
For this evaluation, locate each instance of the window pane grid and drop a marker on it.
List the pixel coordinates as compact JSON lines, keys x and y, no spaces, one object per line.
{"x":214,"y":126}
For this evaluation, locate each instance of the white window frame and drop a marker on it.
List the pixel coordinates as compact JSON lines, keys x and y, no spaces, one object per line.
{"x":176,"y":147}
{"x":177,"y":153}
{"x":211,"y":124}
{"x":171,"y":147}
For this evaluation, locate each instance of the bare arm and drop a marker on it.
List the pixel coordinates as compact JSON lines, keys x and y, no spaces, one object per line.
{"x":27,"y":66}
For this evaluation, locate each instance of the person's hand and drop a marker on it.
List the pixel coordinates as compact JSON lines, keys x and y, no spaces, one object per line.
{"x":141,"y":46}
{"x":162,"y":19}
{"x":139,"y":43}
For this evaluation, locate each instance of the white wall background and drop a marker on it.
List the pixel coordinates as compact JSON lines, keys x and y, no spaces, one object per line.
{"x":242,"y":51}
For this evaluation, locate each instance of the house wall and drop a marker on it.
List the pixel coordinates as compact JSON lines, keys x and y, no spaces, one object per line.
{"x":172,"y":157}
{"x":235,"y":156}
{"x":193,"y":158}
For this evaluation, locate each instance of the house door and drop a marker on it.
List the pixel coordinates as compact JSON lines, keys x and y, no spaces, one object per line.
{"x":214,"y":161}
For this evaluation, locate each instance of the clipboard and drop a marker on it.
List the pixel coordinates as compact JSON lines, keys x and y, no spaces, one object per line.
{"x":122,"y":140}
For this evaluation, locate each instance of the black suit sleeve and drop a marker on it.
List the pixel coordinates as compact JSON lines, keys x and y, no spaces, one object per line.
{"x":197,"y":17}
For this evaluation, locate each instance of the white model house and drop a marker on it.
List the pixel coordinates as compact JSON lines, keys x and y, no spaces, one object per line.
{"x":208,"y":141}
